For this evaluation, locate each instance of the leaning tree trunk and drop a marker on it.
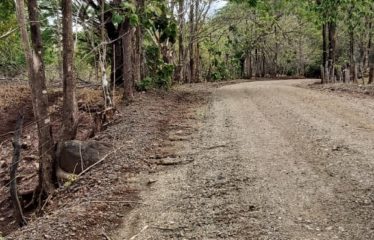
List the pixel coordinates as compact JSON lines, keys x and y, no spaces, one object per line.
{"x":70,"y":109}
{"x":39,"y":94}
{"x":128,"y":94}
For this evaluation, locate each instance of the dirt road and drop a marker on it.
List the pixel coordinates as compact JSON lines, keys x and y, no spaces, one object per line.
{"x":271,"y":161}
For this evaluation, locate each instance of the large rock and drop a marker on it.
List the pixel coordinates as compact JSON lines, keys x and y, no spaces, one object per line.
{"x":74,"y":156}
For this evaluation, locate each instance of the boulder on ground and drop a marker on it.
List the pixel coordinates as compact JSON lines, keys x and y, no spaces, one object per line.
{"x":74,"y":156}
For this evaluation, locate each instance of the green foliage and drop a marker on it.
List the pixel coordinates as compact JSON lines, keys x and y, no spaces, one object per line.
{"x":7,"y":9}
{"x":282,"y":32}
{"x":125,"y":10}
{"x":164,"y":76}
{"x":12,"y":59}
{"x":145,"y":84}
{"x":160,"y":22}
{"x":221,"y":72}
{"x":129,"y":7}
{"x":251,"y":3}
{"x":161,"y":72}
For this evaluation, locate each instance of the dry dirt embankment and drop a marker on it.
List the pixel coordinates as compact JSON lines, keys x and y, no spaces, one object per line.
{"x":94,"y":205}
{"x":271,"y":161}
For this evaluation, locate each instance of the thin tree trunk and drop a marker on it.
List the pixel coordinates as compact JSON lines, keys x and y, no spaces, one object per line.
{"x":138,"y":44}
{"x":371,"y":74}
{"x":113,"y":33}
{"x":369,"y":47}
{"x":263,"y":74}
{"x":59,"y":46}
{"x":332,"y":47}
{"x":256,"y":64}
{"x":180,"y":70}
{"x":191,"y":45}
{"x":371,"y":66}
{"x":39,"y":94}
{"x":352,"y":60}
{"x":104,"y":82}
{"x":127,"y":64}
{"x":275,"y":69}
{"x":324,"y":52}
{"x":250,"y":65}
{"x":324,"y":44}
{"x":70,"y":109}
{"x":197,"y":45}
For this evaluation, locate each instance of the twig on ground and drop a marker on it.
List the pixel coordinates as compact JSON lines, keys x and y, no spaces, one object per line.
{"x":136,"y":235}
{"x":101,"y":160}
{"x":216,"y":146}
{"x":46,"y":202}
{"x":105,"y":235}
{"x":115,"y":201}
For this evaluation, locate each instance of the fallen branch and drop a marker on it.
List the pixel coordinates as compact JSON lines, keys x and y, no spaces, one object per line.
{"x":216,"y":146}
{"x":8,"y":33}
{"x":115,"y":201}
{"x":18,"y":211}
{"x":136,"y":235}
{"x":105,"y":235}
{"x":100,"y":161}
{"x":171,"y":162}
{"x":167,"y":229}
{"x":46,"y":202}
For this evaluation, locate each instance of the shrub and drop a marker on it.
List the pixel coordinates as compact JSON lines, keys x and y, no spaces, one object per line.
{"x":145,"y":84}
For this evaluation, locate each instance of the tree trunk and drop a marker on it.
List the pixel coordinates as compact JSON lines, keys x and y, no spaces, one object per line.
{"x":324,"y":44}
{"x":191,"y":45}
{"x":324,"y":52}
{"x":103,"y":52}
{"x":332,"y":47}
{"x":256,"y":64}
{"x":113,"y":33}
{"x":70,"y":109}
{"x":371,"y":66}
{"x":127,"y":64}
{"x":138,"y":44}
{"x":352,"y":60}
{"x":369,"y":47}
{"x":197,"y":44}
{"x":59,"y":46}
{"x":180,"y":70}
{"x":39,"y":94}
{"x":263,"y":73}
{"x":275,"y":69}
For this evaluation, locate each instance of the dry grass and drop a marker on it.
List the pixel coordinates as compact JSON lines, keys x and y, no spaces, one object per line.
{"x":12,"y":93}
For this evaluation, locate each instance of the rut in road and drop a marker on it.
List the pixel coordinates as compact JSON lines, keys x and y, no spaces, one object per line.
{"x":272,"y":161}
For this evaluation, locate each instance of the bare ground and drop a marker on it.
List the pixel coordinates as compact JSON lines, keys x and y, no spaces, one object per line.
{"x":94,"y":205}
{"x":271,"y":161}
{"x":262,"y":160}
